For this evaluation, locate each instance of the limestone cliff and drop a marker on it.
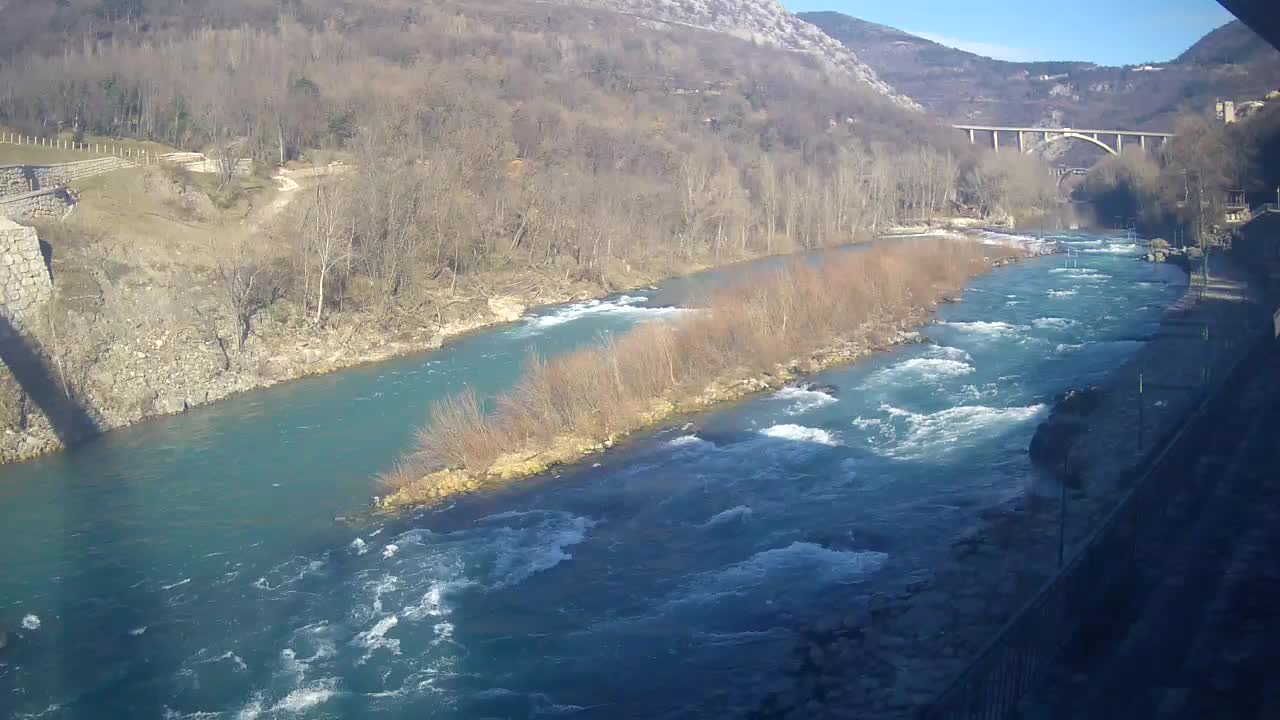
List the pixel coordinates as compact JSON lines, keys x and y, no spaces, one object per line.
{"x":765,"y":22}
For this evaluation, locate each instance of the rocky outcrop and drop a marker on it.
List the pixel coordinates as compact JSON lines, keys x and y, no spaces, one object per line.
{"x":1055,"y":437}
{"x":765,"y":22}
{"x":506,"y":308}
{"x":163,"y":368}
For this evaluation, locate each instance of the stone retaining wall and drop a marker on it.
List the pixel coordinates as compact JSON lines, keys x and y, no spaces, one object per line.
{"x":25,"y":285}
{"x":16,"y":179}
{"x":20,"y":179}
{"x":51,"y":204}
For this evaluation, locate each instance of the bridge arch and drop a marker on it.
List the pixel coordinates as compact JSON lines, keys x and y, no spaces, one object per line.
{"x":1068,"y":172}
{"x":1087,"y":138}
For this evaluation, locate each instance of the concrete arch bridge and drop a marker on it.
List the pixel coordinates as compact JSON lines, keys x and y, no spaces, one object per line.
{"x":1018,"y":137}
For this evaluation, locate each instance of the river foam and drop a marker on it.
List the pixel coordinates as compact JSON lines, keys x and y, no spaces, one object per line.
{"x":907,"y":434}
{"x":304,"y":698}
{"x":375,"y":638}
{"x":738,"y":514}
{"x":773,"y":570}
{"x":1112,"y":248}
{"x":1026,"y":243}
{"x":802,"y":434}
{"x":1081,"y":273}
{"x":632,"y":305}
{"x":691,"y":443}
{"x":931,"y":370}
{"x":989,"y":329}
{"x":803,"y":400}
{"x":1053,"y":323}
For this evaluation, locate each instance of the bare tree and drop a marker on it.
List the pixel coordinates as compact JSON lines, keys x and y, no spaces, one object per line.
{"x":248,"y":285}
{"x":329,"y":239}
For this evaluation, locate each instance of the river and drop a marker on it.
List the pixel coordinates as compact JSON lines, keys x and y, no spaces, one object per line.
{"x":220,"y":564}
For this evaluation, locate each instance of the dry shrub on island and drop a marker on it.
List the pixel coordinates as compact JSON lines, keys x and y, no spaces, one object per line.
{"x":750,"y":329}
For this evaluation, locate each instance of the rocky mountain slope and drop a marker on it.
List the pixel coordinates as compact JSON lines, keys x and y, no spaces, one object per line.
{"x":1230,"y":63}
{"x":765,"y":22}
{"x":1233,"y":43}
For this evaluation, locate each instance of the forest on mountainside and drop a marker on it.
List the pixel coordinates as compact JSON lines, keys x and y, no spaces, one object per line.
{"x":1182,"y":191}
{"x":505,"y":134}
{"x":1229,"y":63}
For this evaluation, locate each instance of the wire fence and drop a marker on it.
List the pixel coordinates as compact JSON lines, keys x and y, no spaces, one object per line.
{"x":1007,"y":667}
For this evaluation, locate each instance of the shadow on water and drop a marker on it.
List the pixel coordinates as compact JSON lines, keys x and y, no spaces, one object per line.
{"x":110,"y":663}
{"x":71,"y":421}
{"x":102,"y":670}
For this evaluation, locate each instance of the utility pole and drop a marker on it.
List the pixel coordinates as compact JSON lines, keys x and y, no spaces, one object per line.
{"x":1204,"y":241}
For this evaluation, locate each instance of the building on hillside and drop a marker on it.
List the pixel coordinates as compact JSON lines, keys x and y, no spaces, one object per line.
{"x":1257,"y":243}
{"x":1248,"y":108}
{"x":1235,"y":211}
{"x":1225,"y":111}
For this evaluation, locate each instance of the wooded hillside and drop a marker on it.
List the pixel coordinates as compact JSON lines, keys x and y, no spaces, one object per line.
{"x":1230,"y":63}
{"x":504,"y":134}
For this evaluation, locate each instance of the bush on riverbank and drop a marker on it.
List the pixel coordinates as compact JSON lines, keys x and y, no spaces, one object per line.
{"x":760,"y":327}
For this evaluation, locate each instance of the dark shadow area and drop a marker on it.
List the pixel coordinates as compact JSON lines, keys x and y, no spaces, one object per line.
{"x":46,"y":252}
{"x":71,"y":421}
{"x":1184,"y":631}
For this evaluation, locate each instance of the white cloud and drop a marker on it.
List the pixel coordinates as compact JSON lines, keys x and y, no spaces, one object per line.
{"x":992,"y":50}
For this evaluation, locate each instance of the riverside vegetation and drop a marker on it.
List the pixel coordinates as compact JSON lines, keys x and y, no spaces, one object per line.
{"x":747,"y":337}
{"x":501,"y":154}
{"x":1180,"y":190}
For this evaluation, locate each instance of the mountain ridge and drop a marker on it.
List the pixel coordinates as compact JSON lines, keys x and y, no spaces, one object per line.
{"x":1229,"y":63}
{"x":765,"y":22}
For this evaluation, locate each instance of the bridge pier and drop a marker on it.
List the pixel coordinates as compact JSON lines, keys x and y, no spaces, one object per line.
{"x":995,"y":140}
{"x":1021,"y":143}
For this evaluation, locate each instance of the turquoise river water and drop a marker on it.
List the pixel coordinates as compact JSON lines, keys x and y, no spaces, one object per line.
{"x":222,"y":564}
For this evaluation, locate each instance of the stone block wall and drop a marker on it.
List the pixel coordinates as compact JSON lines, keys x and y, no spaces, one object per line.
{"x":25,"y":285}
{"x":21,"y":179}
{"x":52,"y":204}
{"x":16,"y":180}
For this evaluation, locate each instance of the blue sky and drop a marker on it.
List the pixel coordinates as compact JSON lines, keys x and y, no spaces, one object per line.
{"x":1108,"y":32}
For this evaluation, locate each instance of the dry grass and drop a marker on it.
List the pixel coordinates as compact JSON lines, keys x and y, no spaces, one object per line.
{"x":751,"y":329}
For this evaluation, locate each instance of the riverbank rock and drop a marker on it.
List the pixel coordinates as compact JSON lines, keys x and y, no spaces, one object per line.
{"x":506,"y":308}
{"x":1053,"y":440}
{"x":1159,"y":250}
{"x":813,"y":387}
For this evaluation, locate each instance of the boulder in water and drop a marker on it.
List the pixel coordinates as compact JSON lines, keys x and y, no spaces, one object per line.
{"x":1054,"y":438}
{"x":814,"y":387}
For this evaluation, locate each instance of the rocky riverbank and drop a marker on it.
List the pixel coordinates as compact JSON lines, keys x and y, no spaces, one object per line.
{"x":136,"y":355}
{"x":888,"y":659}
{"x":160,"y":371}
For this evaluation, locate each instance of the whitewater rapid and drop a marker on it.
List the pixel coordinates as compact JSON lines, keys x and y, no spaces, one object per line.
{"x":220,"y":562}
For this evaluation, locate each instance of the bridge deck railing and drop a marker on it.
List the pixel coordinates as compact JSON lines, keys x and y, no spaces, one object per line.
{"x":992,"y":686}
